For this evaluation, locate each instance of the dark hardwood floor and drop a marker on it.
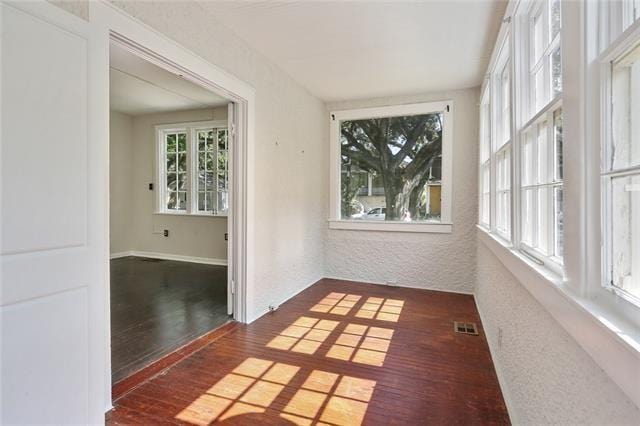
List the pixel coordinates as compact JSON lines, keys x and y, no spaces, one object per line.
{"x":158,"y":306}
{"x":339,"y":353}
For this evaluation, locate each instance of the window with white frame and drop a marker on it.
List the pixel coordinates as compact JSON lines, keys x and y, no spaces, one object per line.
{"x":485,"y":159}
{"x":541,"y":162}
{"x":621,"y":172}
{"x":192,"y":169}
{"x":392,"y":164}
{"x":502,"y":144}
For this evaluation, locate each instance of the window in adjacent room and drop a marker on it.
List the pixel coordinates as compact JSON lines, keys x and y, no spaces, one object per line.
{"x":192,"y":169}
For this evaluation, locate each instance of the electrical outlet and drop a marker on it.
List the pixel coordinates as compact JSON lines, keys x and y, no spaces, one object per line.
{"x":150,"y":187}
{"x":500,"y":337}
{"x":226,"y":236}
{"x":272,"y":308}
{"x":166,"y":233}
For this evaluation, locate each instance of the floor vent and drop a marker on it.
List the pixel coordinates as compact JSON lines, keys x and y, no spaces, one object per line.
{"x":465,"y":327}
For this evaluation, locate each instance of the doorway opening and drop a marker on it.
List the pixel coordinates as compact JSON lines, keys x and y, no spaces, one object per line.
{"x":171,"y":147}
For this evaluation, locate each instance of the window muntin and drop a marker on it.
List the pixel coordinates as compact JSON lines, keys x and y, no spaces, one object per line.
{"x":485,"y":159}
{"x":403,"y":156}
{"x":503,"y":191}
{"x":621,"y":177}
{"x":193,"y":168}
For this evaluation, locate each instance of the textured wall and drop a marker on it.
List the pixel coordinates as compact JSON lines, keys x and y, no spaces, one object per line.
{"x":290,"y":158}
{"x":417,"y":259}
{"x":546,"y":377}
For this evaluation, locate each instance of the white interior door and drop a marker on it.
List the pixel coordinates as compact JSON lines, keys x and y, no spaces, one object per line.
{"x":50,"y":253}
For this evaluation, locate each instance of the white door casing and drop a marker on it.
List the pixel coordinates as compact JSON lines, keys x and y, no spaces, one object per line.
{"x":51,"y":241}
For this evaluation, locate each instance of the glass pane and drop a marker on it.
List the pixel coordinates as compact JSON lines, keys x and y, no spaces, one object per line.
{"x":171,"y":143}
{"x":538,"y":37}
{"x":559,"y":221}
{"x":222,"y":139}
{"x":171,"y":200}
{"x":625,"y":116}
{"x":543,"y":220}
{"x":625,"y":234}
{"x":556,"y":18}
{"x":171,"y":181}
{"x":528,"y":216}
{"x":211,"y":201}
{"x":201,"y":181}
{"x":222,"y":160}
{"x":171,"y":162}
{"x":222,"y":181}
{"x":210,"y":155}
{"x":223,"y":203}
{"x":556,"y":72}
{"x":201,"y":161}
{"x":182,"y":181}
{"x":182,"y":142}
{"x":201,"y":201}
{"x":209,"y":180}
{"x":210,"y":145}
{"x":538,"y":90}
{"x":506,"y":104}
{"x":543,"y":154}
{"x":557,"y":132}
{"x":182,"y":200}
{"x":182,"y":162}
{"x":412,"y":150}
{"x":528,"y":160}
{"x":202,"y":144}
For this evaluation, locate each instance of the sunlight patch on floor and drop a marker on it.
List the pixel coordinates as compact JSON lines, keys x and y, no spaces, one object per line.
{"x":381,"y":309}
{"x":336,"y":303}
{"x":305,"y":335}
{"x":362,"y":344}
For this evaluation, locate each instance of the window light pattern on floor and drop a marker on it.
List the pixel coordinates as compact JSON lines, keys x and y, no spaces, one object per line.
{"x":362,"y":344}
{"x":336,"y":303}
{"x":381,"y":309}
{"x":331,"y":399}
{"x":252,"y":387}
{"x":305,"y":335}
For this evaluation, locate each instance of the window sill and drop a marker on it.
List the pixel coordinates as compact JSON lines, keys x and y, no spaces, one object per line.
{"x":190,"y":215}
{"x":611,"y":341}
{"x":370,"y":225}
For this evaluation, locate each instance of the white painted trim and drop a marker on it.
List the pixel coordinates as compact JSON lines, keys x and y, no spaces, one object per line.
{"x":613,"y":343}
{"x":446,"y":107}
{"x":381,"y":225}
{"x":110,"y":23}
{"x":168,"y":256}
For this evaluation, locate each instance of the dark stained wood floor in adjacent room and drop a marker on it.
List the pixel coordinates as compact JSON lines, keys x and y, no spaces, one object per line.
{"x":158,"y":306}
{"x":338,"y":353}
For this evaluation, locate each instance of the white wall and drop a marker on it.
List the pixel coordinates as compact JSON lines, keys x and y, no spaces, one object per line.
{"x":417,"y":259}
{"x":120,"y":181}
{"x":290,"y":158}
{"x":546,"y":377}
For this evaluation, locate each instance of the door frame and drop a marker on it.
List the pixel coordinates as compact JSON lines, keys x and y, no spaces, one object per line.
{"x":111,"y":24}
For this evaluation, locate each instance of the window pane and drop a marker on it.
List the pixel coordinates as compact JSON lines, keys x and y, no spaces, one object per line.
{"x":625,"y":235}
{"x":406,"y":151}
{"x":506,"y":104}
{"x":625,"y":115}
{"x":538,"y":90}
{"x":209,"y":180}
{"x":222,"y":181}
{"x":182,"y":162}
{"x":556,"y":19}
{"x":182,"y":181}
{"x":543,"y":154}
{"x":528,"y":215}
{"x":556,"y":72}
{"x":171,"y":162}
{"x":171,"y":200}
{"x":223,"y":202}
{"x":182,"y":200}
{"x":557,"y":132}
{"x":210,"y":135}
{"x":182,"y":142}
{"x":209,"y":158}
{"x":538,"y":37}
{"x":528,"y":160}
{"x":171,"y":143}
{"x":559,"y":221}
{"x":171,"y":181}
{"x":543,"y":219}
{"x":222,"y":160}
{"x":202,"y":165}
{"x":222,"y":139}
{"x":202,"y":140}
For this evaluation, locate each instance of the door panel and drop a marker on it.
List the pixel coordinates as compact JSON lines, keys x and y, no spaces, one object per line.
{"x":49,"y":266}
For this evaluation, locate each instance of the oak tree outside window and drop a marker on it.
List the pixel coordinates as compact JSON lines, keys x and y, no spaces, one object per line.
{"x":392,"y":164}
{"x":192,"y":169}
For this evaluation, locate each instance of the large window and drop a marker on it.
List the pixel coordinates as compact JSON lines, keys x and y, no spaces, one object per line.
{"x":393,"y":164}
{"x":502,"y":144}
{"x":485,"y":159}
{"x":192,"y":169}
{"x":621,"y":175}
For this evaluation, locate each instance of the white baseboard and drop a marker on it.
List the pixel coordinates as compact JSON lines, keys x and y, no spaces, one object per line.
{"x":167,"y":256}
{"x":398,"y":285}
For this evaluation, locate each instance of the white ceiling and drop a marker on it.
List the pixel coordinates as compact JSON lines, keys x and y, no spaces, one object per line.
{"x":355,"y":49}
{"x":140,"y":87}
